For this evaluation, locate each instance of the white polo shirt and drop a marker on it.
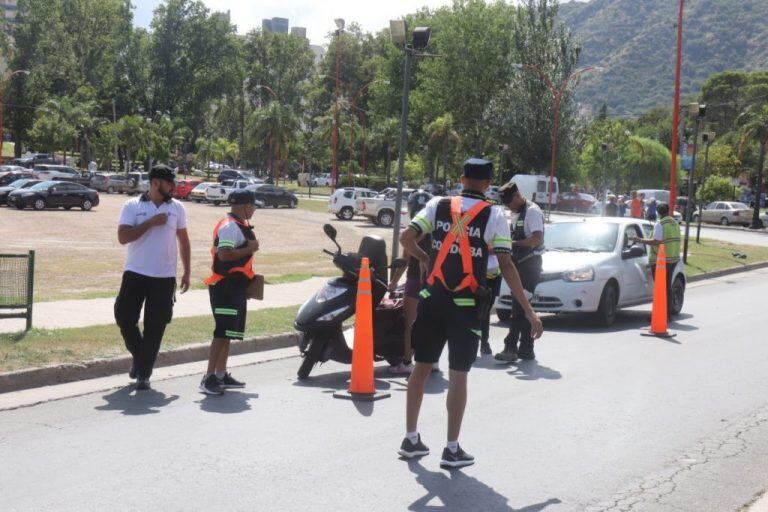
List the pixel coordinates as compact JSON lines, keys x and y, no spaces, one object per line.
{"x":155,"y":253}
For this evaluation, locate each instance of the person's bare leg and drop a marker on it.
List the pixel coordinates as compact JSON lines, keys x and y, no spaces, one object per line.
{"x":456,"y":402}
{"x":410,"y":306}
{"x":221,"y":362}
{"x":216,"y":347}
{"x":416,"y":383}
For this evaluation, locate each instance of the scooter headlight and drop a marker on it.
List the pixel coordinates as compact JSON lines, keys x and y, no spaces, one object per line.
{"x":329,"y":292}
{"x":333,"y":314}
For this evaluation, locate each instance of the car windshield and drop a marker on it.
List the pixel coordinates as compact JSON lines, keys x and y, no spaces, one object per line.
{"x":581,"y":237}
{"x":45,"y":185}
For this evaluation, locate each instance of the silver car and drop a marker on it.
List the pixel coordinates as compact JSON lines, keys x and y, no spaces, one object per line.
{"x":725,"y":213}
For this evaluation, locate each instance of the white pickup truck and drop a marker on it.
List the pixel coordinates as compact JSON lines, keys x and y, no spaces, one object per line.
{"x":219,"y":193}
{"x":380,"y":209}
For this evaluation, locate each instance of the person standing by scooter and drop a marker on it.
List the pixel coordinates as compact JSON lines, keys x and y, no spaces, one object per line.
{"x":414,"y":282}
{"x":232,"y":270}
{"x":452,"y":303}
{"x":527,"y":248}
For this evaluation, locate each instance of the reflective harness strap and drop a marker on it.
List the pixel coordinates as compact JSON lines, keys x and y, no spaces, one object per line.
{"x":459,"y":225}
{"x":246,"y":269}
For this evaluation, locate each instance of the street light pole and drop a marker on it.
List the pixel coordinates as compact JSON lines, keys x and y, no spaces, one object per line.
{"x":675,"y":109}
{"x":335,"y":135}
{"x":604,"y":147}
{"x":706,"y":138}
{"x":702,"y":112}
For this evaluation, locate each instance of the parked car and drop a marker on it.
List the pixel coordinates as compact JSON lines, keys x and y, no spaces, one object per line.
{"x":16,"y":185}
{"x":592,"y":266}
{"x":725,"y":213}
{"x":381,"y":209}
{"x":535,"y":187}
{"x":112,"y":183}
{"x":274,"y":196}
{"x":233,"y":174}
{"x":322,"y":180}
{"x":184,"y":188}
{"x":10,"y":176}
{"x":577,"y":202}
{"x":31,"y":161}
{"x":48,"y":171}
{"x":11,"y":168}
{"x":198,"y":193}
{"x":219,"y":193}
{"x":343,"y":201}
{"x":54,"y":194}
{"x":138,"y":183}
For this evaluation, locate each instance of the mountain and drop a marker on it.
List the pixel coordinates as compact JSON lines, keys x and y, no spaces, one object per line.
{"x":634,"y":40}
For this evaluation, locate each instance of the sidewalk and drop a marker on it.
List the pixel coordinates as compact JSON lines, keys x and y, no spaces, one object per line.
{"x":84,"y":313}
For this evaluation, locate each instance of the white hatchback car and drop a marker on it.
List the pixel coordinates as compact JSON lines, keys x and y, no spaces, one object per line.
{"x":591,"y":266}
{"x":342,"y":202}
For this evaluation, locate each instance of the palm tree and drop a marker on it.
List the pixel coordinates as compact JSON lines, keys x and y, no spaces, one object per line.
{"x":386,"y":135}
{"x":205,"y":151}
{"x":441,"y":132}
{"x":133,"y":135}
{"x":755,"y":129}
{"x":275,"y":126}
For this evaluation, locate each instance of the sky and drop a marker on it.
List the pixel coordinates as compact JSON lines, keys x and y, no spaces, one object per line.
{"x":315,"y":15}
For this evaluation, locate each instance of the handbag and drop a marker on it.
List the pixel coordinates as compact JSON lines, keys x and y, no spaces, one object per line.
{"x":256,"y":287}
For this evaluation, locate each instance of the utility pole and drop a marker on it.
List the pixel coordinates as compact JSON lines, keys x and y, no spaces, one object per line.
{"x":702,"y":112}
{"x":706,"y":138}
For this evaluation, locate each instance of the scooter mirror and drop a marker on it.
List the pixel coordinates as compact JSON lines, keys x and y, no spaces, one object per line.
{"x":399,"y":263}
{"x":330,"y":231}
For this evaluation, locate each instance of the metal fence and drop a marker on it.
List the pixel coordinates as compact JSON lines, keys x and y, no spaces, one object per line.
{"x":17,"y":282}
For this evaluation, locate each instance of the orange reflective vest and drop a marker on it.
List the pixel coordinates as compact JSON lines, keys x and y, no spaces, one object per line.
{"x":459,"y":224}
{"x":219,"y":271}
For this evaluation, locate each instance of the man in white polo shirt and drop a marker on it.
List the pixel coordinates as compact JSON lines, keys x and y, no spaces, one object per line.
{"x":150,"y":224}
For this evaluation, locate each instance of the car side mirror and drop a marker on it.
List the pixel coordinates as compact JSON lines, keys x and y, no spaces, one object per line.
{"x":636,"y":251}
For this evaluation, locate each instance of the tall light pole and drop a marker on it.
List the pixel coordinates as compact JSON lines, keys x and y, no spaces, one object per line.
{"x":604,"y":147}
{"x":675,"y":109}
{"x":557,"y":94}
{"x":399,"y":36}
{"x":2,"y":105}
{"x":702,"y":112}
{"x":335,"y":134}
{"x":706,"y":138}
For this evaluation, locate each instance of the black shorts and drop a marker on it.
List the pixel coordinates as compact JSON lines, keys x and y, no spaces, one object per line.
{"x":441,"y":317}
{"x":229,"y":301}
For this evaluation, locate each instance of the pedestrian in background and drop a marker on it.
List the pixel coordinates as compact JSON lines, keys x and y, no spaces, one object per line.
{"x":231,"y":272}
{"x":650,"y":210}
{"x":636,"y":206}
{"x":611,"y":208}
{"x":154,"y":226}
{"x":623,"y":206}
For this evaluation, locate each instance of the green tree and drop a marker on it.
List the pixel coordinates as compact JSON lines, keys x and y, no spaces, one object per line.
{"x":755,"y":130}
{"x":717,"y":188}
{"x":441,"y":133}
{"x":273,"y":126}
{"x":385,"y":136}
{"x":721,"y":161}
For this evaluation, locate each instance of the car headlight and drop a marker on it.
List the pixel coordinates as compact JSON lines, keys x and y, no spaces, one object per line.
{"x":579,"y":275}
{"x":333,"y":314}
{"x":329,"y":292}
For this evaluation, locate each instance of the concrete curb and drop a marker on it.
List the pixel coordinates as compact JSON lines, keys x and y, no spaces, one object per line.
{"x":59,"y":374}
{"x":728,"y":271}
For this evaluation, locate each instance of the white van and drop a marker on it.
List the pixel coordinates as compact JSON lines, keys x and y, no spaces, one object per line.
{"x":534,"y":188}
{"x":342,"y":202}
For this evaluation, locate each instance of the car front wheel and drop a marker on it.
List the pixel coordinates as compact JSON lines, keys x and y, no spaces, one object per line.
{"x":39,"y":204}
{"x":606,"y":311}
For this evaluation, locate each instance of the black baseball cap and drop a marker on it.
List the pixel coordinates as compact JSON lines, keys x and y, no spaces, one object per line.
{"x":163,"y":172}
{"x":242,"y":196}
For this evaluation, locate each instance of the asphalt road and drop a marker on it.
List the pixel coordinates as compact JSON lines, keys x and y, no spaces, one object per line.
{"x":605,"y":420}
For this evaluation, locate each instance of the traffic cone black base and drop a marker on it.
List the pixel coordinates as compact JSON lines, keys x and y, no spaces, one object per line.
{"x":361,"y":397}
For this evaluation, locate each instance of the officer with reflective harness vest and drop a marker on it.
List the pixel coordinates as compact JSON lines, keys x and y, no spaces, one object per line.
{"x":453,"y":302}
{"x":232,"y":270}
{"x":527,"y":248}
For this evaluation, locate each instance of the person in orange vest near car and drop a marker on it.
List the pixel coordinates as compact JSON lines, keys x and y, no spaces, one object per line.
{"x":453,"y":302}
{"x":232,"y":270}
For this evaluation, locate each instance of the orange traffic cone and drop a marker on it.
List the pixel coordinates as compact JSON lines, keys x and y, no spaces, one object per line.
{"x":361,"y":385}
{"x":659,"y":309}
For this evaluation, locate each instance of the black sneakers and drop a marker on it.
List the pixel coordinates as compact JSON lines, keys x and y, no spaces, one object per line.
{"x":526,"y":351}
{"x":142,"y":385}
{"x":229,"y":382}
{"x":410,"y":450}
{"x":485,"y":348}
{"x":507,"y":356}
{"x":456,"y":460}
{"x":211,"y":385}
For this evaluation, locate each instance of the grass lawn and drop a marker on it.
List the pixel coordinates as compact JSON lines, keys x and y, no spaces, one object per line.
{"x":296,"y":189}
{"x":8,"y":148}
{"x":41,"y":347}
{"x":311,"y":205}
{"x":711,"y":255}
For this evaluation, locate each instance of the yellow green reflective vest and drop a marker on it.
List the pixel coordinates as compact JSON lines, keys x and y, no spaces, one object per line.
{"x":671,"y":241}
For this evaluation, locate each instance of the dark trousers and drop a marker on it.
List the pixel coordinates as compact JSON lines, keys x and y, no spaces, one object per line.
{"x":519,"y":326}
{"x":495,"y":286}
{"x":156,"y":295}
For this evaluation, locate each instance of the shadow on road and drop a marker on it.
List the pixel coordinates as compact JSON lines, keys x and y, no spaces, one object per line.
{"x":136,"y":403}
{"x":231,"y":402}
{"x":458,"y":491}
{"x":532,"y":370}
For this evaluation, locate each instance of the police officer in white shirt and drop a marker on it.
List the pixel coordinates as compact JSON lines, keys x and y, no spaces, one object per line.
{"x":150,"y":225}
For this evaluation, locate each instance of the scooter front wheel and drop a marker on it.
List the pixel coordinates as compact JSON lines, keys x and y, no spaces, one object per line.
{"x":311,"y":356}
